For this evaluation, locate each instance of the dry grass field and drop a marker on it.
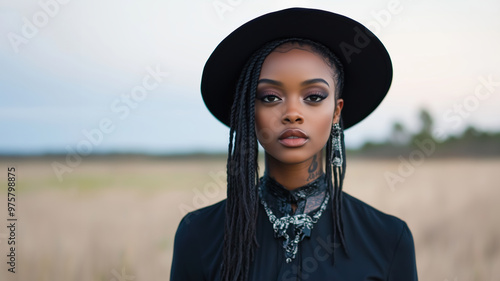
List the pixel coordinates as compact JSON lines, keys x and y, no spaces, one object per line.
{"x":115,"y":219}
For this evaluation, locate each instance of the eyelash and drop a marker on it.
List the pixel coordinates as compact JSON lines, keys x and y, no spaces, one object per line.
{"x":321,"y":95}
{"x":267,"y":96}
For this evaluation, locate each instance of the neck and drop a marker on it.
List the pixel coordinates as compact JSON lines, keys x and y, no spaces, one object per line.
{"x":293,"y":176}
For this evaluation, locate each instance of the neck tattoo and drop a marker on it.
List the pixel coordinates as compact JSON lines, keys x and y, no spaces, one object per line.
{"x":313,"y":170}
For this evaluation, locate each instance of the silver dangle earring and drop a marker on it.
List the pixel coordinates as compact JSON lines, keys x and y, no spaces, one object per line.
{"x":336,"y":155}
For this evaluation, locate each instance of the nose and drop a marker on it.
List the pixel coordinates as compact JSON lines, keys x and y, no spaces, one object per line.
{"x":292,"y":113}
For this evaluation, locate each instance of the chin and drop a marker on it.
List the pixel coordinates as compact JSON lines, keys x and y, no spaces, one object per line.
{"x":292,"y":155}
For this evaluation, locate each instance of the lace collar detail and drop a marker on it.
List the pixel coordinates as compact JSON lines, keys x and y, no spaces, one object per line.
{"x":308,"y":198}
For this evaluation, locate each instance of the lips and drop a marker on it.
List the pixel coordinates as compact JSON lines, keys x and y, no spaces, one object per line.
{"x":293,"y":138}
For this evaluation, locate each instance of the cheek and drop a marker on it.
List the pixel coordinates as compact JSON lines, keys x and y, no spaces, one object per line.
{"x":323,"y":126}
{"x":259,"y":119}
{"x":264,"y":124}
{"x":326,"y":127}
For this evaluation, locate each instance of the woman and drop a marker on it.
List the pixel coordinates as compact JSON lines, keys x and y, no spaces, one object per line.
{"x":293,"y":80}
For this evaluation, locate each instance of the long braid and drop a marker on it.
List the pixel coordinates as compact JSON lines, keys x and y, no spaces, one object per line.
{"x":236,"y":203}
{"x":242,"y":203}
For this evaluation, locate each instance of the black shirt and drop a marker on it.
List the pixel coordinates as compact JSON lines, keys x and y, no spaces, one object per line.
{"x":380,"y":246}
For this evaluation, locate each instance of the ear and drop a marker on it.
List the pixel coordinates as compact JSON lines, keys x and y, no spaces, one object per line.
{"x":338,"y":110}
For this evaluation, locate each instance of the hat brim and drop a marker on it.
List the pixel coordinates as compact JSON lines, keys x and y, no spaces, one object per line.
{"x":366,"y":62}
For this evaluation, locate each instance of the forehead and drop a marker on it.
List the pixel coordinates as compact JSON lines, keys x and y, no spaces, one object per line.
{"x":292,"y":59}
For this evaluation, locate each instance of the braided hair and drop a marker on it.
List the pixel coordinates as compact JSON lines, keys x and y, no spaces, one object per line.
{"x":242,"y":201}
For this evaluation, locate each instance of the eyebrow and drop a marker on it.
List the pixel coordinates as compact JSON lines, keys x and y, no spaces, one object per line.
{"x":313,"y":81}
{"x":270,"y":81}
{"x":305,"y":83}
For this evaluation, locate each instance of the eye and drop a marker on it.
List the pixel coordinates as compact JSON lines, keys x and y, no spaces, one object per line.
{"x":270,"y":98}
{"x":316,"y":97}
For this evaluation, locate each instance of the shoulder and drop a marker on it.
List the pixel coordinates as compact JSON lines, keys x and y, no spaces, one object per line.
{"x":202,"y":219}
{"x":388,"y":234}
{"x":204,"y":215}
{"x":199,"y":236}
{"x":371,"y":217}
{"x":383,"y":228}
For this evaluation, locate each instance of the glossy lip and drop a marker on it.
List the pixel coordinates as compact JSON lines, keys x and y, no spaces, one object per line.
{"x":299,"y":138}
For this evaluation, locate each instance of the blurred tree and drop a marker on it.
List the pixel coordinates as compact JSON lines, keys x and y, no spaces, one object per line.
{"x":471,"y":133}
{"x":399,"y":136}
{"x":427,"y":124}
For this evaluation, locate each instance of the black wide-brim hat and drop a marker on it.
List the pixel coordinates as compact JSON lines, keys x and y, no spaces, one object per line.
{"x":366,"y":62}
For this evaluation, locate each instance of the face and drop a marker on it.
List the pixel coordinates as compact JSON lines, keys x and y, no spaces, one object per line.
{"x":295,"y":104}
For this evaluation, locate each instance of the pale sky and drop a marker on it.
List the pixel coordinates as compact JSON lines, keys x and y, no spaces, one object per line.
{"x":65,"y":68}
